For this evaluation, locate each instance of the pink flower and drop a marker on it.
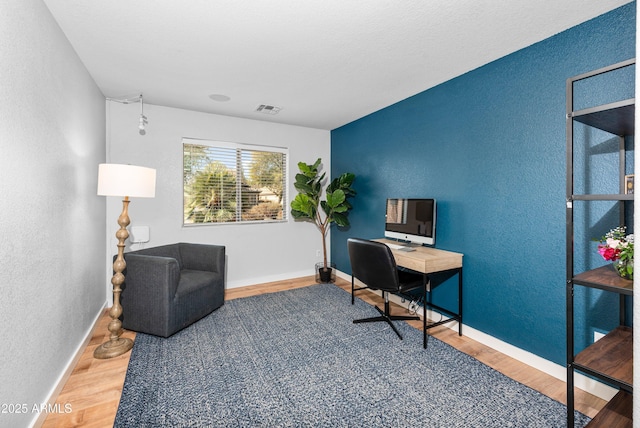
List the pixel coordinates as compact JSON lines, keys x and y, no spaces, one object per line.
{"x":608,"y":253}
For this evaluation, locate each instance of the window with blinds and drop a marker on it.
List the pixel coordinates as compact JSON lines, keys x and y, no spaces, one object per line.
{"x":233,"y":183}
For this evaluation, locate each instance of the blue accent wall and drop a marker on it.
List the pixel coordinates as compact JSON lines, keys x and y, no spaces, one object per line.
{"x":490,"y":147}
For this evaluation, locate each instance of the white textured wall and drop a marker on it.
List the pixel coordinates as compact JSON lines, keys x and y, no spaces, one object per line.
{"x":52,"y":136}
{"x":255,"y":253}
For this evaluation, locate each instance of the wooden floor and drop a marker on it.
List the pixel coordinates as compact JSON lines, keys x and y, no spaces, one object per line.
{"x":93,"y":390}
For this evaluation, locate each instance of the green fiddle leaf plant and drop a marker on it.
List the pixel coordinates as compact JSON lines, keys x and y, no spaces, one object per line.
{"x":308,"y":206}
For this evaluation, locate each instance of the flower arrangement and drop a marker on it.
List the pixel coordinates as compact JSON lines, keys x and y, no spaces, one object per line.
{"x":617,"y":246}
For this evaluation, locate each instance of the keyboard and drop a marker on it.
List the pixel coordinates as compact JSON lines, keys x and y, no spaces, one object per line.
{"x":399,"y":247}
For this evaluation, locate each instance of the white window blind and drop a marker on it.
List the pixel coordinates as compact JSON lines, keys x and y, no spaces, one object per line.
{"x":232,"y":183}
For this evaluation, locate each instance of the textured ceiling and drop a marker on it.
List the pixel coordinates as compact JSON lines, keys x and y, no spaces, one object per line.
{"x":324,"y":62}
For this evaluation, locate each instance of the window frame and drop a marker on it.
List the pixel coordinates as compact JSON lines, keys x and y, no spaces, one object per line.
{"x":241,"y":147}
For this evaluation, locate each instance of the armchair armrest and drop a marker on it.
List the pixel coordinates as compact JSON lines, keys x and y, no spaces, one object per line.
{"x":151,"y":278}
{"x":203,"y":257}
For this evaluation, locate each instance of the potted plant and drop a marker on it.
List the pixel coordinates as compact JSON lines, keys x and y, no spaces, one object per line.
{"x":307,"y":205}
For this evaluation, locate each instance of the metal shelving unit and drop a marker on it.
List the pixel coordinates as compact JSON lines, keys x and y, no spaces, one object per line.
{"x":610,"y":359}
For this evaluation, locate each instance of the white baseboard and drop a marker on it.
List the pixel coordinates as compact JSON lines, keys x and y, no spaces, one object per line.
{"x":38,"y":421}
{"x":269,"y":278}
{"x":558,"y":371}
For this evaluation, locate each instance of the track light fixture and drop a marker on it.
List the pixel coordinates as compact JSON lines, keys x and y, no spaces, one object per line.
{"x":143,"y":118}
{"x":142,"y":122}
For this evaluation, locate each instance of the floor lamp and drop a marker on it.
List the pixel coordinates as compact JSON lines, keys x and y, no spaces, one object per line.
{"x":124,"y":181}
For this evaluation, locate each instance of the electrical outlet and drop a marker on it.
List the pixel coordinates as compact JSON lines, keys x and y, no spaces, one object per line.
{"x":318,"y":253}
{"x":597,"y":336}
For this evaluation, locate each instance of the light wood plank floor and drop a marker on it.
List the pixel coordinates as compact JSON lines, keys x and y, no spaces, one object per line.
{"x":93,"y":390}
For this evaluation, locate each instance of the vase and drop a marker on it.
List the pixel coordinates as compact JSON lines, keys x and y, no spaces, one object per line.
{"x":624,"y":268}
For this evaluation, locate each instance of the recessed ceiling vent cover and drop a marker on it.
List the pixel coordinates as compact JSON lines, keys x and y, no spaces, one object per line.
{"x":267,"y":109}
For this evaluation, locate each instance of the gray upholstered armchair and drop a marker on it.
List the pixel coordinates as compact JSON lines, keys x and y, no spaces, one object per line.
{"x":170,"y":287}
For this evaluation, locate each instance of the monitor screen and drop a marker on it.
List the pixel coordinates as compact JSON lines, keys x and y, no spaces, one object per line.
{"x":411,"y":220}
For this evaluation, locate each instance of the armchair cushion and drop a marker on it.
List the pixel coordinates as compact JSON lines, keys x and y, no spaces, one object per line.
{"x":168,"y":288}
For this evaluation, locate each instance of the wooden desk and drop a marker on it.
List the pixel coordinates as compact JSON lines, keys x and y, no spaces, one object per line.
{"x":429,"y":260}
{"x":425,"y":259}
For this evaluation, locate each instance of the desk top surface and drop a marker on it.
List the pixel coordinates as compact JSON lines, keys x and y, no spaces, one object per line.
{"x":425,"y":259}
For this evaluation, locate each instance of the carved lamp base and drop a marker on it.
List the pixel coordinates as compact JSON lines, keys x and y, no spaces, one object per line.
{"x":113,"y":348}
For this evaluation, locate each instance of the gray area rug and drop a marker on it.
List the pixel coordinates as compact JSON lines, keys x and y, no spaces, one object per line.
{"x":295,"y":359}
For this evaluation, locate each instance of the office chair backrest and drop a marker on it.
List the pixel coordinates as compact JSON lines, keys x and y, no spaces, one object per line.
{"x":373,"y":264}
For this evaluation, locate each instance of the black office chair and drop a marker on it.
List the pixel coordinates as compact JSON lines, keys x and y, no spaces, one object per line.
{"x":374,"y":265}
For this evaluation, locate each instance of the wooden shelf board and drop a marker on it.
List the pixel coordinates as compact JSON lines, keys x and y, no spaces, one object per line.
{"x":612,"y":356}
{"x":605,"y":278}
{"x":617,"y":413}
{"x":616,"y":118}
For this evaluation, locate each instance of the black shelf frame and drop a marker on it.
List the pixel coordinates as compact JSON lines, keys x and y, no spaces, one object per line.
{"x":617,"y":118}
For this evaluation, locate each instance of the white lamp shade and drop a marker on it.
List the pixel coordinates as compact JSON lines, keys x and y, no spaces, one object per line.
{"x":126,"y":180}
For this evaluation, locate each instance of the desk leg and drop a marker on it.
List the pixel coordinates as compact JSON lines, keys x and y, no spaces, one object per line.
{"x":428,"y":304}
{"x":460,"y":302}
{"x":425,"y":286}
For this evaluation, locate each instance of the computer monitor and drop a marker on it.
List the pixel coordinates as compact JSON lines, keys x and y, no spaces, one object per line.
{"x":411,"y":220}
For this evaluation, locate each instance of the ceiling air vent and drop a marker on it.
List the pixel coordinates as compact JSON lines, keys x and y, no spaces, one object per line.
{"x":267,"y":109}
